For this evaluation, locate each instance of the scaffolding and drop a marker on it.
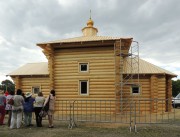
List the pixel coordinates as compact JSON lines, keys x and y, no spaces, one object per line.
{"x":127,"y":63}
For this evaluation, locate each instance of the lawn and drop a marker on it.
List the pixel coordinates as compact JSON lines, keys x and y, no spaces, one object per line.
{"x":61,"y":130}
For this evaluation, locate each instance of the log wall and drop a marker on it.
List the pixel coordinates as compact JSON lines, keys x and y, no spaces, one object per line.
{"x":153,"y":87}
{"x":103,"y":76}
{"x":26,"y":84}
{"x":100,"y":75}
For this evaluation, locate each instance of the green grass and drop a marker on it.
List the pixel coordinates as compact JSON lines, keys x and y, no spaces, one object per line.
{"x":61,"y":130}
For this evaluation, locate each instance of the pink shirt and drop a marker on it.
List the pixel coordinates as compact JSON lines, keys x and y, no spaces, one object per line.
{"x":8,"y":106}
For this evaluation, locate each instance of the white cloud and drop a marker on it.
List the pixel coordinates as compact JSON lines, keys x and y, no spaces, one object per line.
{"x":3,"y":43}
{"x":153,"y":23}
{"x":149,"y":8}
{"x":4,"y":77}
{"x":68,"y":3}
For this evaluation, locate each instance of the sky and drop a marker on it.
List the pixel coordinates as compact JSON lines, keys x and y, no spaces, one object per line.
{"x":155,"y":24}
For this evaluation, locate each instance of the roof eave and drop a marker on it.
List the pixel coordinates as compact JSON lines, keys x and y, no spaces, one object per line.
{"x":14,"y":75}
{"x":58,"y":42}
{"x":172,"y":75}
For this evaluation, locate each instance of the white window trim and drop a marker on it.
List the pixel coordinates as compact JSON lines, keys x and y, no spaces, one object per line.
{"x":136,"y":93}
{"x":35,"y":86}
{"x":87,"y":87}
{"x":82,"y":63}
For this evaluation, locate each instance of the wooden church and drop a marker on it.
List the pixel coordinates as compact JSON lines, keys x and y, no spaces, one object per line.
{"x":93,"y":67}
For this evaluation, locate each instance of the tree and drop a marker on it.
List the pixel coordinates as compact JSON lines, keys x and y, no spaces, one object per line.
{"x":7,"y":85}
{"x":175,"y":87}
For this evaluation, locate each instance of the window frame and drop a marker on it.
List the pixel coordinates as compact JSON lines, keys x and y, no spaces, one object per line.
{"x":136,"y":86}
{"x":83,"y":63}
{"x":33,"y":87}
{"x":80,"y":93}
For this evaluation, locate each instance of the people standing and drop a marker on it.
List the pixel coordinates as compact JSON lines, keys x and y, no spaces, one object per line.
{"x":38,"y":105}
{"x":17,"y":110}
{"x":51,"y":98}
{"x":28,"y":109}
{"x":9,"y":106}
{"x":2,"y":107}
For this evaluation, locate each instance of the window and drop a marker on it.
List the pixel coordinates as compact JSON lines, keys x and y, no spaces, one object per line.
{"x":135,"y":89}
{"x":84,"y":87}
{"x":36,"y":89}
{"x":83,"y":67}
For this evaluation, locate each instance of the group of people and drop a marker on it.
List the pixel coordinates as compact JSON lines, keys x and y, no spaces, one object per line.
{"x":20,"y":107}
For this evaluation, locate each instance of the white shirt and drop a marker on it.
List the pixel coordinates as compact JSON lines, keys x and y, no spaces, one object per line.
{"x":39,"y":101}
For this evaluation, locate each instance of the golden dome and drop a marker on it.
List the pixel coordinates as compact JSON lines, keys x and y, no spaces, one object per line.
{"x":90,"y":23}
{"x":89,"y":30}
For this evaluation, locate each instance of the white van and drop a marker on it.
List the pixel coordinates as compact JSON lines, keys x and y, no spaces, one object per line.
{"x":176,"y":101}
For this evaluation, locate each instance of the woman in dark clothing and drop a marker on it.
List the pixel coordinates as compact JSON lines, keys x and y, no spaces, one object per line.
{"x":38,"y":105}
{"x":28,"y":109}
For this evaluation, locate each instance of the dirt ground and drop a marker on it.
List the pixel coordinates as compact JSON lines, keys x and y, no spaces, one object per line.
{"x":61,"y":130}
